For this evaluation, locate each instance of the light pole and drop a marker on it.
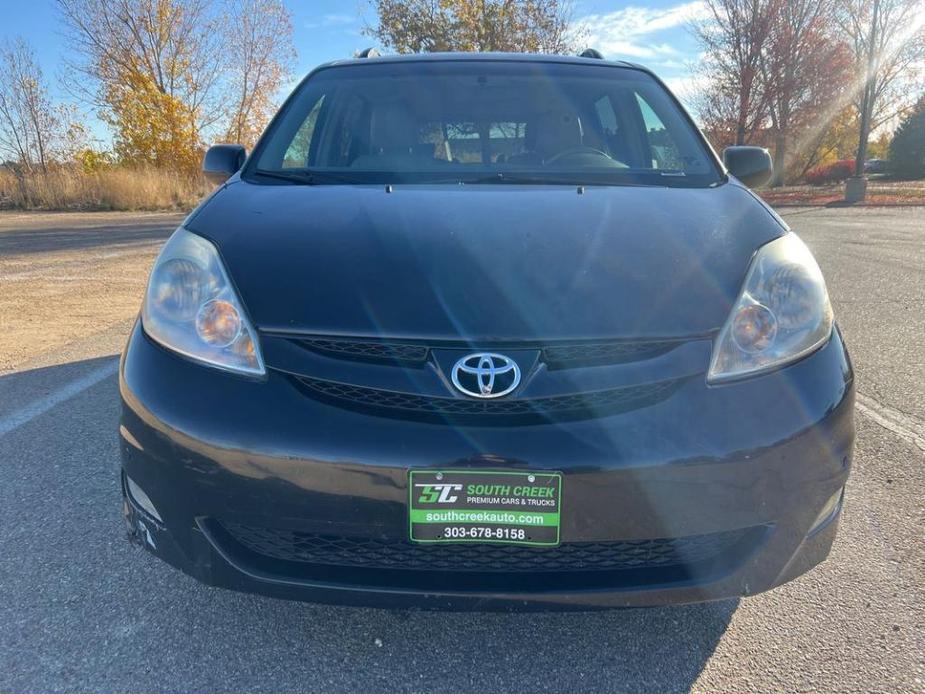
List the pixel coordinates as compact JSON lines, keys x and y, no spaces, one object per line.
{"x":856,"y":186}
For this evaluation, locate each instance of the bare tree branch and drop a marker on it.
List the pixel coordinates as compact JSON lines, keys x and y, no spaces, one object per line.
{"x":259,"y":62}
{"x":28,"y":121}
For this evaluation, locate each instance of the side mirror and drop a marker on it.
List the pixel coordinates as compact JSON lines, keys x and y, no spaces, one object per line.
{"x":223,"y":161}
{"x":751,"y":165}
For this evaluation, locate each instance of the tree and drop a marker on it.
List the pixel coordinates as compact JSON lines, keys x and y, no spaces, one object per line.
{"x":153,"y":66}
{"x":804,"y":71}
{"x":775,"y":74}
{"x":887,"y":42}
{"x":73,"y":137}
{"x":820,"y":146}
{"x":151,"y":127}
{"x":28,"y":121}
{"x":879,"y":148}
{"x":907,"y":150}
{"x":735,"y":38}
{"x":523,"y":26}
{"x":259,"y":60}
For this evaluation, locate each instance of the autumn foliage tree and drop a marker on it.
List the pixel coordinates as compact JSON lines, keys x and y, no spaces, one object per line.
{"x":735,"y":37}
{"x":804,"y":72}
{"x":151,"y":126}
{"x":169,"y":74}
{"x":523,"y":26}
{"x":151,"y":67}
{"x":887,"y":43}
{"x":822,"y":146}
{"x":775,"y":75}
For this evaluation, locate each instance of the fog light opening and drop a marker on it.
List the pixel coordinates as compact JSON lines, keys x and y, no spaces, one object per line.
{"x":141,"y":499}
{"x":829,"y":511}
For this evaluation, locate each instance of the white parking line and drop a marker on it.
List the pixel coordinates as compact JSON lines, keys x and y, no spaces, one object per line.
{"x":66,"y":392}
{"x":66,"y":278}
{"x":907,"y":427}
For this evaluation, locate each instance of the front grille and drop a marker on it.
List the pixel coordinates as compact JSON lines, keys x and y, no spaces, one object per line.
{"x":339,"y":551}
{"x":555,"y":356}
{"x":570,"y":356}
{"x":366,"y":350}
{"x":593,"y":403}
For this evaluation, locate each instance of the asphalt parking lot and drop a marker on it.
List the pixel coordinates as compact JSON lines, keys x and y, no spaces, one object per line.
{"x":82,"y":610}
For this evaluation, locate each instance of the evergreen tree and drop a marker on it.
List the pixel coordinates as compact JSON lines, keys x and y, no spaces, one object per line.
{"x":907,"y":150}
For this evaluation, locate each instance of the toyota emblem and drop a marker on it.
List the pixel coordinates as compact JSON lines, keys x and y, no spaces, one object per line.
{"x":486,"y":375}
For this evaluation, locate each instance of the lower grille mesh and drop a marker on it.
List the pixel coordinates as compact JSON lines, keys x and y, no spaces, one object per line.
{"x":330,"y":550}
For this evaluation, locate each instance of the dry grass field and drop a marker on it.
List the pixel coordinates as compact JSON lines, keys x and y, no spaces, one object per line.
{"x":116,"y":188}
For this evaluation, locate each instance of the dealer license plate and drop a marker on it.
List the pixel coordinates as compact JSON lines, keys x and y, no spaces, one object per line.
{"x":521,"y":508}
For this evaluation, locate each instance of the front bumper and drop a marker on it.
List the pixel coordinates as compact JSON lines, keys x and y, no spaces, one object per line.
{"x":253,"y":481}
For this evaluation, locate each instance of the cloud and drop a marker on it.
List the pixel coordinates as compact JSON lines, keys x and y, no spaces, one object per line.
{"x":672,"y":64}
{"x":687,"y":88}
{"x":629,"y":31}
{"x":331,"y":20}
{"x":618,"y":47}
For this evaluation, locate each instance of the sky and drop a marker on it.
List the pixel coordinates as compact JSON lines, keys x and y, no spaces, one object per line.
{"x":652,"y":33}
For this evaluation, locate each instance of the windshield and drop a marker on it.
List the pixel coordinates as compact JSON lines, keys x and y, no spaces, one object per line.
{"x":483,"y":121}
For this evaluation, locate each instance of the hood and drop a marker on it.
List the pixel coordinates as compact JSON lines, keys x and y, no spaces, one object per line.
{"x":486,"y":263}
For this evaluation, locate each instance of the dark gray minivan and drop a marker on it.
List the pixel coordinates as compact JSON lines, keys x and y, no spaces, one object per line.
{"x":492,"y":331}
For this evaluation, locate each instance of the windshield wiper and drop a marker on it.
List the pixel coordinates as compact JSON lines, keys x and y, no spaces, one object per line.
{"x":307,"y":178}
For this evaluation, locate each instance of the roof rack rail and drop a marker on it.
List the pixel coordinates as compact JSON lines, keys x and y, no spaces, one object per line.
{"x":368,"y":53}
{"x":591,"y":53}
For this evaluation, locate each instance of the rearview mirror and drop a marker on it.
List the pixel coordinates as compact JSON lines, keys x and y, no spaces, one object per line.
{"x":223,"y":161}
{"x":751,"y":165}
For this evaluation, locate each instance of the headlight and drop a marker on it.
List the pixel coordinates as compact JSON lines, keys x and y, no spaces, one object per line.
{"x":191,"y":307}
{"x":782,"y":314}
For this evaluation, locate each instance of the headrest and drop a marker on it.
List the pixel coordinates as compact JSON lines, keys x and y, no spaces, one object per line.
{"x":393,"y":130}
{"x":557,"y":131}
